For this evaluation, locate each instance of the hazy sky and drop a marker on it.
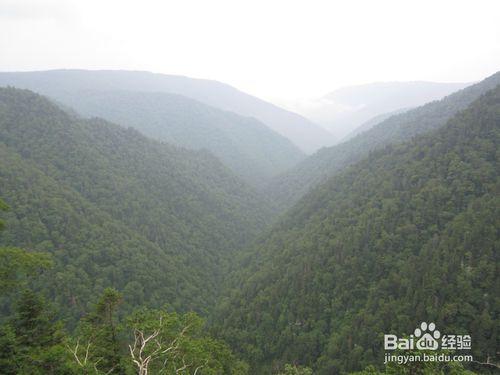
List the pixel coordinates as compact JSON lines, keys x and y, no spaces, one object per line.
{"x":279,"y":50}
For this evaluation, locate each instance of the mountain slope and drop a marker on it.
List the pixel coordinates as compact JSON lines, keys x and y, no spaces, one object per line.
{"x":372,"y":122}
{"x":118,"y":209}
{"x":57,"y":83}
{"x":248,"y":147}
{"x":290,"y":186}
{"x":407,"y":235}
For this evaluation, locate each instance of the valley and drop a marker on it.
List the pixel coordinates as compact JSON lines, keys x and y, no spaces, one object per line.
{"x":135,"y":204}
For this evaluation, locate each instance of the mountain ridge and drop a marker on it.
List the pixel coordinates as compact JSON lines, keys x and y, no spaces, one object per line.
{"x":301,"y":131}
{"x":100,"y":198}
{"x":248,"y":147}
{"x":406,"y":235}
{"x":289,"y":187}
{"x":346,"y":108}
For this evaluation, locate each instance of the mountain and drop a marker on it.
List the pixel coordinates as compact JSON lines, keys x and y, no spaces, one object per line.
{"x":58,"y":83}
{"x":117,"y":209}
{"x":248,"y":147}
{"x":367,"y":125}
{"x":343,"y":110}
{"x":405,"y":236}
{"x":287,"y":188}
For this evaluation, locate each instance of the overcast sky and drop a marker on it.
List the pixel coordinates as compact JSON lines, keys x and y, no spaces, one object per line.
{"x":279,"y":50}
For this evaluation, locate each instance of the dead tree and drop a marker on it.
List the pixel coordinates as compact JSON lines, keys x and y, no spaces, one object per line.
{"x":150,"y":347}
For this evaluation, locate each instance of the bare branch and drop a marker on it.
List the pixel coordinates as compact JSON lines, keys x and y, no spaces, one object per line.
{"x":154,"y":344}
{"x":487,"y":363}
{"x":75,"y":352}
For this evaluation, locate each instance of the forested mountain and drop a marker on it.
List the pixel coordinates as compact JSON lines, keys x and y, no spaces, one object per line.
{"x":407,"y":235}
{"x":344,"y":109}
{"x":116,"y":209}
{"x":372,"y":122}
{"x":33,"y":341}
{"x":290,"y":186}
{"x":248,"y":147}
{"x":58,"y":83}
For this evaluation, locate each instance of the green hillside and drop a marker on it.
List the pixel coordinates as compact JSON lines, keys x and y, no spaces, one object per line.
{"x":407,"y":235}
{"x":305,"y":134}
{"x":289,"y":187}
{"x":118,"y":209}
{"x":248,"y":147}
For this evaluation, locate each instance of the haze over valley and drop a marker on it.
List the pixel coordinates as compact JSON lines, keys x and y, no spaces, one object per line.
{"x":178,"y":195}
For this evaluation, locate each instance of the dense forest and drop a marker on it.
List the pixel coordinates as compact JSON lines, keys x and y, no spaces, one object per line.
{"x":305,"y":134}
{"x":289,"y":187}
{"x":248,"y":147}
{"x":367,"y":125}
{"x":33,"y":341}
{"x":117,"y":209}
{"x":123,"y":254}
{"x":408,"y":233}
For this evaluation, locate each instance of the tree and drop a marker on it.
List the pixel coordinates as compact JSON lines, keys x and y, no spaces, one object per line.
{"x":7,"y":350}
{"x":3,"y":207}
{"x":39,"y":338}
{"x":31,"y":341}
{"x":98,"y":346}
{"x":290,"y":369}
{"x":168,"y":343}
{"x":160,"y":340}
{"x":15,"y":263}
{"x":418,"y":368}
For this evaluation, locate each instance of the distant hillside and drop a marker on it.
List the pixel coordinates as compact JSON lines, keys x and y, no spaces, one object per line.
{"x":405,"y":236}
{"x":57,"y":83}
{"x":345,"y":109}
{"x":289,"y":187}
{"x":372,"y":122}
{"x":118,"y":209}
{"x":248,"y":147}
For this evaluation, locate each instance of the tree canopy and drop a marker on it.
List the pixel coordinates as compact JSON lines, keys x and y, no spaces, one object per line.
{"x":406,"y":235}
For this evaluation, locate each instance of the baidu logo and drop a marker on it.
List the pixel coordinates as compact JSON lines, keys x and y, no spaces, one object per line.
{"x":427,"y":337}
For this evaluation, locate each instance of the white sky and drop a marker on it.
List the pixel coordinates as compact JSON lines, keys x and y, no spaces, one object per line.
{"x":278,"y":50}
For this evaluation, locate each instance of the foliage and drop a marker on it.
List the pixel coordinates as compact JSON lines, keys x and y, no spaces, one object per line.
{"x":407,"y":235}
{"x":3,"y":207}
{"x":14,"y":263}
{"x":247,"y":146}
{"x":114,"y":208}
{"x":288,"y":188}
{"x":295,"y":370}
{"x":33,"y":342}
{"x":98,"y":336}
{"x":418,"y":368}
{"x":168,"y":343}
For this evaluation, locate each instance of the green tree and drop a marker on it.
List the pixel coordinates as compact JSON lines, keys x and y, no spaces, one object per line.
{"x":168,"y":343}
{"x":16,"y":263}
{"x":290,"y":369}
{"x":30,"y":342}
{"x":7,"y":350}
{"x":39,"y":338}
{"x":3,"y":207}
{"x":405,"y":236}
{"x":98,"y":344}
